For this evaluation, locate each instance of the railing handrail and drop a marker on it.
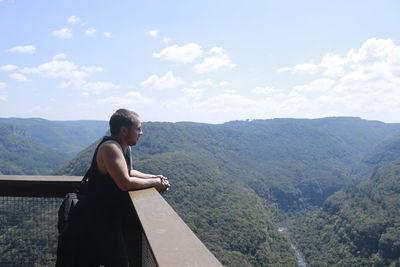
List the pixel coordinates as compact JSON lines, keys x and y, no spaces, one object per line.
{"x":170,"y":240}
{"x":37,"y":185}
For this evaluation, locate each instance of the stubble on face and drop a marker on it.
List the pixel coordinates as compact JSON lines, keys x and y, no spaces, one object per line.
{"x":135,"y":132}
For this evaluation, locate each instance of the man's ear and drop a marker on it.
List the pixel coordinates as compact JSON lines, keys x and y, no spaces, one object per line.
{"x":124,"y":130}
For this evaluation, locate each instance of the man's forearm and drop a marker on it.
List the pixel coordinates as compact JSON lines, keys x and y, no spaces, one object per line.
{"x":136,"y":173}
{"x":139,"y":183}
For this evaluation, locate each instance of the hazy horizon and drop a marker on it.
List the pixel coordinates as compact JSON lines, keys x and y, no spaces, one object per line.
{"x":144,"y":120}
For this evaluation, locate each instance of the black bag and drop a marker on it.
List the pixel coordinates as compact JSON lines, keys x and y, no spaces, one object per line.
{"x":68,"y":209}
{"x":70,"y":224}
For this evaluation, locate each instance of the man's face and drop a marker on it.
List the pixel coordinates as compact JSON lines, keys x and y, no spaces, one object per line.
{"x":134,"y":133}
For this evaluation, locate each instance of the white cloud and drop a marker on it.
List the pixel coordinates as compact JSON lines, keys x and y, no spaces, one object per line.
{"x":218,"y":61}
{"x":94,"y":88}
{"x":138,"y":98}
{"x":3,"y":97}
{"x":184,"y":54}
{"x":216,"y":107}
{"x":194,"y":93}
{"x":92,"y":69}
{"x":217,"y":50}
{"x":166,"y":39}
{"x":58,"y":69}
{"x":64,"y":33}
{"x":131,"y":98}
{"x":166,"y":81}
{"x":263,"y":90}
{"x":107,"y":34}
{"x":154,"y":33}
{"x":206,"y":83}
{"x":60,"y":56}
{"x":119,"y":101}
{"x":224,"y":83}
{"x":332,"y":65}
{"x":284,"y":69}
{"x":229,"y":91}
{"x":90,"y":31}
{"x":73,"y":20}
{"x":72,"y":76}
{"x":231,"y":102}
{"x":3,"y":85}
{"x":367,"y":84}
{"x":373,"y":55}
{"x":323,"y":84}
{"x":23,"y":49}
{"x":307,"y":68}
{"x":9,"y":67}
{"x":19,"y":77}
{"x":329,"y":61}
{"x":316,"y":87}
{"x":375,"y":50}
{"x":209,"y":83}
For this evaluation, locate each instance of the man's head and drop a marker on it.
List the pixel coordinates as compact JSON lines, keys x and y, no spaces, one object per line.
{"x":126,"y":124}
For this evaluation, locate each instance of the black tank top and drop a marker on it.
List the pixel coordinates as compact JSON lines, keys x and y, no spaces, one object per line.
{"x":105,"y":199}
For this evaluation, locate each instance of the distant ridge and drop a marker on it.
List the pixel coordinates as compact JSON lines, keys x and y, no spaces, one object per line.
{"x":65,"y":136}
{"x":39,"y":146}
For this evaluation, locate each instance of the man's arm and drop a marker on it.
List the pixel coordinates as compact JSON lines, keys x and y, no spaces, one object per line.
{"x":111,"y":160}
{"x":136,"y":173}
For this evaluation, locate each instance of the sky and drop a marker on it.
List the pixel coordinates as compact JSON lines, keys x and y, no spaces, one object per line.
{"x":201,"y":61}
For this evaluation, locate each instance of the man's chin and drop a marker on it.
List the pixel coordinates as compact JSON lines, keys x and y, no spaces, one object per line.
{"x":133,"y":143}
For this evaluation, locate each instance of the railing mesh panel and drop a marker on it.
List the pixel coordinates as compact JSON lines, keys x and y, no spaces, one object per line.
{"x":28,"y":231}
{"x":147,"y":256}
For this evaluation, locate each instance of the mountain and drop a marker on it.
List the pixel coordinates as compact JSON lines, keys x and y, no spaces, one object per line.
{"x":232,"y":176}
{"x":384,"y":152}
{"x":231,"y":182}
{"x":68,"y":137}
{"x":37,"y":146}
{"x":291,"y":162}
{"x":360,"y":224}
{"x":21,"y":154}
{"x":226,"y":215}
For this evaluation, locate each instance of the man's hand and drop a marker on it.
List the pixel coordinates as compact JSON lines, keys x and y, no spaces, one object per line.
{"x":162,"y":184}
{"x":162,"y":177}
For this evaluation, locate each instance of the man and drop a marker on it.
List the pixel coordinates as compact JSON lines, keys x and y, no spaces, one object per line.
{"x":110,"y":179}
{"x":126,"y":129}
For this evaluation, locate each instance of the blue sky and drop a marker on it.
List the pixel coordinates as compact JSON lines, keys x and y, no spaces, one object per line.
{"x":203,"y":61}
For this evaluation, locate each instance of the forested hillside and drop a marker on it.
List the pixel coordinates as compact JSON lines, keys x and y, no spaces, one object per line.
{"x":37,"y":146}
{"x":232,"y":183}
{"x":386,"y":151}
{"x":294,"y":164}
{"x":227,"y":216}
{"x":21,"y":154}
{"x":357,"y":226}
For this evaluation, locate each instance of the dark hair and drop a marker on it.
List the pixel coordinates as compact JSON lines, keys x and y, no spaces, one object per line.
{"x":122,"y":117}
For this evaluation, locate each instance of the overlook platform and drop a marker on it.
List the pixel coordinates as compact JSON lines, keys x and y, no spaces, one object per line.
{"x":155,"y":234}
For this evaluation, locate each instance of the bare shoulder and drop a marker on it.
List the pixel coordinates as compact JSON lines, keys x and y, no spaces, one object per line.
{"x":110,"y":158}
{"x":110,"y":148}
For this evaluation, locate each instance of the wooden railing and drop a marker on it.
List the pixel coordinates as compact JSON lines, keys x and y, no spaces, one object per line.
{"x":155,"y":234}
